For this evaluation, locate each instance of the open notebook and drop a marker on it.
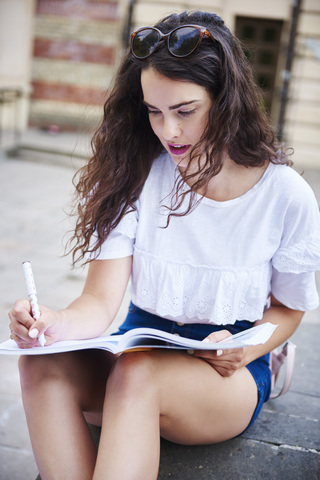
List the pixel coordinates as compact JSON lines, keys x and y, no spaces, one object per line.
{"x":146,"y":338}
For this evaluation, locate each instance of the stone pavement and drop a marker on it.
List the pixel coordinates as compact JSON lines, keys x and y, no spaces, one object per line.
{"x":284,"y":443}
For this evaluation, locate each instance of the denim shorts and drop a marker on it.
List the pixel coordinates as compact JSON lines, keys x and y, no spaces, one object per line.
{"x":259,"y":368}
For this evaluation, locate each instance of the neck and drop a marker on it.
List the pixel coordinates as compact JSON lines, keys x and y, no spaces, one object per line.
{"x":231,"y":182}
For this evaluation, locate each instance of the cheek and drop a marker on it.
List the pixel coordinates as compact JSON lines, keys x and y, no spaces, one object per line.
{"x":155,"y":125}
{"x":199,"y":128}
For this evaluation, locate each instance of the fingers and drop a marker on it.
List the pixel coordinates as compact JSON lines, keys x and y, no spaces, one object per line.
{"x":28,"y":332}
{"x":22,"y":325}
{"x":21,"y":312}
{"x":34,"y":333}
{"x":214,"y":337}
{"x":208,"y":354}
{"x":225,"y":362}
{"x":20,"y":318}
{"x":217,"y":336}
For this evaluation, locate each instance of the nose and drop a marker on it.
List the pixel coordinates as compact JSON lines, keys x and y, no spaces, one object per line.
{"x":171,"y":128}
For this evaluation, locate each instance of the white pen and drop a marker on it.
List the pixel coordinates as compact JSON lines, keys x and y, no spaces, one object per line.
{"x":32,"y":296}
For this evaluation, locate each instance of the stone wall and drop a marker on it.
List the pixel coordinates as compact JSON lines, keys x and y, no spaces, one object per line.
{"x":68,"y":50}
{"x":16,"y":24}
{"x":302,"y":120}
{"x":76,"y":48}
{"x":302,"y":124}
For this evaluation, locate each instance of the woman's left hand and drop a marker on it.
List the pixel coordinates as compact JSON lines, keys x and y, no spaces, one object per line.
{"x":225,"y":362}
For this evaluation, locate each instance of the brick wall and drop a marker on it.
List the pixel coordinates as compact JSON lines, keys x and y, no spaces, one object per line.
{"x":76,"y":48}
{"x":302,"y":124}
{"x":302,"y":121}
{"x":77,"y":45}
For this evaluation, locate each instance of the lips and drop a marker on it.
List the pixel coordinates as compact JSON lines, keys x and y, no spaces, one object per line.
{"x":177,"y":149}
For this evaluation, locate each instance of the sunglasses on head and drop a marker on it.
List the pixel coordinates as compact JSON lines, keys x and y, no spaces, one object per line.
{"x":181,"y":41}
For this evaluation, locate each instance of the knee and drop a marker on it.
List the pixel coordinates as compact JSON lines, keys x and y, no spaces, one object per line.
{"x":133,"y":373}
{"x":30,"y":368}
{"x":34,"y":369}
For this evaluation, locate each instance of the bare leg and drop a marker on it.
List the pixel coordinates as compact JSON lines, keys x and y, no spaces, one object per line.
{"x":55,"y":391}
{"x":130,"y":422}
{"x":178,"y":396}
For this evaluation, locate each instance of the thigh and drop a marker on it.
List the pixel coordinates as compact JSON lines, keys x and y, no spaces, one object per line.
{"x":200,"y":406}
{"x":81,"y":374}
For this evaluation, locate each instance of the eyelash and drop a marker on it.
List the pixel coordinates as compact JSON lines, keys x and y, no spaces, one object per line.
{"x":183,"y":113}
{"x":186,"y":113}
{"x":154,"y":112}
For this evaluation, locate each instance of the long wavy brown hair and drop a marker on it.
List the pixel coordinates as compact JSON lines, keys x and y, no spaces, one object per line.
{"x":124,"y":146}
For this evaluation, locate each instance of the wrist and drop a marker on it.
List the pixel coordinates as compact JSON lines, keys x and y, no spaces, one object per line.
{"x":61,"y":325}
{"x":251,"y":353}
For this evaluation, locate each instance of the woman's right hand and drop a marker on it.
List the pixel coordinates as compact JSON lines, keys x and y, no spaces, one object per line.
{"x":88,"y":316}
{"x":25,"y":330}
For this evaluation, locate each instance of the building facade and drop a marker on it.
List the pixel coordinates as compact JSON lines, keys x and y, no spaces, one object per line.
{"x":60,"y":56}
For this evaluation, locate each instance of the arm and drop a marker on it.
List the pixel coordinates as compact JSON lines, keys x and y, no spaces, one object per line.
{"x":87,"y":317}
{"x":287,"y":320}
{"x":231,"y":360}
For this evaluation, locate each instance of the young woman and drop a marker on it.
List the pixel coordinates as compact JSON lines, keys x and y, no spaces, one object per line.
{"x":188,"y":195}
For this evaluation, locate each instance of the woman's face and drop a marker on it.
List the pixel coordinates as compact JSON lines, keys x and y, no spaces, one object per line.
{"x":178,"y":112}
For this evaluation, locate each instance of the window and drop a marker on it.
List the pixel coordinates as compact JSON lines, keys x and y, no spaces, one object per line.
{"x":260,"y":40}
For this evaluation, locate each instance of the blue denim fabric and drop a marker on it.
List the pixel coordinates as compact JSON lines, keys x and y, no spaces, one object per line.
{"x":259,"y":368}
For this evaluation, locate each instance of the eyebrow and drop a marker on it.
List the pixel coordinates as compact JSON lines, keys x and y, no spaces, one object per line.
{"x":173,"y":107}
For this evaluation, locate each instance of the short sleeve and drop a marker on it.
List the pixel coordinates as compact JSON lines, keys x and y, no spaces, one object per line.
{"x":299,"y":250}
{"x":298,"y":256}
{"x":120,"y":242}
{"x":295,"y":290}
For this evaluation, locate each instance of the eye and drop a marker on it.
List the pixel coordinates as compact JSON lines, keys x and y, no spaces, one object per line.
{"x":153,"y":112}
{"x":186,"y":113}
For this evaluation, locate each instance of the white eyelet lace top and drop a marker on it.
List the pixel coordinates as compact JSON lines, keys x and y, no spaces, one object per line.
{"x":220,"y":263}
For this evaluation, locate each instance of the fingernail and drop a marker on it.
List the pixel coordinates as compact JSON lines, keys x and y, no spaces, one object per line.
{"x":191,"y":352}
{"x":206,"y":340}
{"x":33,"y":333}
{"x":219,"y":353}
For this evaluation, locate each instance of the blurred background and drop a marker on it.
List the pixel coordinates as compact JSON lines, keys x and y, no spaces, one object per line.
{"x":57,"y":58}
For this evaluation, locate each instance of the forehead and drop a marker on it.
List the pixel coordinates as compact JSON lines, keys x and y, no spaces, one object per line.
{"x":158,"y":88}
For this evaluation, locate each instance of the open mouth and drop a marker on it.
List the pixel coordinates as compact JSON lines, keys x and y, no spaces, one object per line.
{"x":177,"y":149}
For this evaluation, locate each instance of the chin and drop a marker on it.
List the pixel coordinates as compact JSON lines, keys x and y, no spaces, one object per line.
{"x":182,"y":162}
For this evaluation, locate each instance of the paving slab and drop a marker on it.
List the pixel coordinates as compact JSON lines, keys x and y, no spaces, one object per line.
{"x":237,"y":459}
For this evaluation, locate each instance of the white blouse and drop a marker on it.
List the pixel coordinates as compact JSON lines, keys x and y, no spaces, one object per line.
{"x":220,"y":263}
